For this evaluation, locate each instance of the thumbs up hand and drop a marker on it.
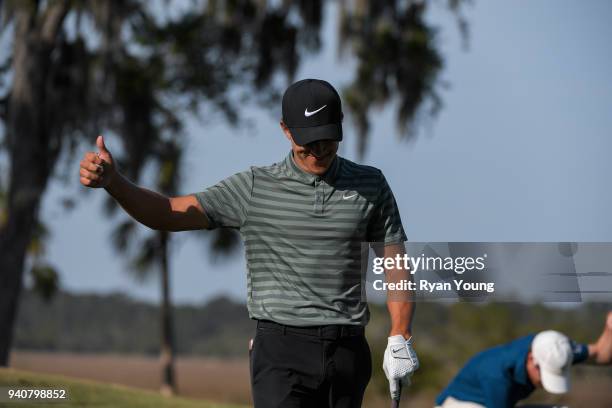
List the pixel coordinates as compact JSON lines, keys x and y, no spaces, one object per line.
{"x":97,"y":168}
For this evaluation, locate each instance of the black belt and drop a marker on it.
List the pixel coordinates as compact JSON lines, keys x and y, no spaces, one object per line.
{"x":331,"y":331}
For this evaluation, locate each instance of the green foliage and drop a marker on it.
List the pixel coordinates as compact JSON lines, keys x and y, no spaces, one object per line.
{"x":398,"y":60}
{"x":46,"y":281}
{"x":45,"y":278}
{"x":40,"y":233}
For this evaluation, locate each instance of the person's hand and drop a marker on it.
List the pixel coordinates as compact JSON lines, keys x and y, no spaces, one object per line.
{"x":97,"y":168}
{"x":399,"y":363}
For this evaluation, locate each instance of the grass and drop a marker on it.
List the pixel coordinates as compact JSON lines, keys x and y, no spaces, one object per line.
{"x":82,"y":393}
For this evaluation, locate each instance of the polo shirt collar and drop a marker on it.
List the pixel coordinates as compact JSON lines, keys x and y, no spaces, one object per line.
{"x":305,"y":177}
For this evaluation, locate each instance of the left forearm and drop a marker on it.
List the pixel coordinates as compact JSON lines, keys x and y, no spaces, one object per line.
{"x":401,"y":313}
{"x":400,"y":299}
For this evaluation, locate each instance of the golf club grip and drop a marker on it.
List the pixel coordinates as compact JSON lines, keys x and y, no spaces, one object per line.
{"x":395,"y":401}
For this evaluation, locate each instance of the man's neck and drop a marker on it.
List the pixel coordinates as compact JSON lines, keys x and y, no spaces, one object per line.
{"x":305,"y":170}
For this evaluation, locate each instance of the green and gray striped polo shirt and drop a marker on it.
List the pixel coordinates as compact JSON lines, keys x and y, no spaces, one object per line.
{"x":303,"y":236}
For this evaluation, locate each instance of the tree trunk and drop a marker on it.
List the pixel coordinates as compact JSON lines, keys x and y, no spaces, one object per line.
{"x":32,"y":150}
{"x":14,"y":238}
{"x":168,"y":386}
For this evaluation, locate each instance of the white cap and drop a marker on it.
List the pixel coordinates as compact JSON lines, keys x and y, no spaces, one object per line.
{"x":552,"y":352}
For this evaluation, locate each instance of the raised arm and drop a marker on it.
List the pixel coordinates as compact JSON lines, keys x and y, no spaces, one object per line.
{"x":600,"y":352}
{"x":156,"y":211}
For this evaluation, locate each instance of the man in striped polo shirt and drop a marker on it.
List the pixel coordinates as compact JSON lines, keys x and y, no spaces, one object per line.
{"x":303,"y":221}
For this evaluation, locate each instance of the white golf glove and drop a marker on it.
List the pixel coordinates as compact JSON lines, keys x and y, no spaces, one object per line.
{"x":399,"y":363}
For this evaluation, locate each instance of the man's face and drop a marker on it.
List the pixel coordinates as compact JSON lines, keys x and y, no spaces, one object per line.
{"x":314,"y":158}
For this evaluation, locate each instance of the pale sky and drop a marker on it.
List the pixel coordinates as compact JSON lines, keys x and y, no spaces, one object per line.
{"x":520,"y":151}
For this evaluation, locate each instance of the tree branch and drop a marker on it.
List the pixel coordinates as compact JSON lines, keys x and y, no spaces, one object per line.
{"x":52,"y":19}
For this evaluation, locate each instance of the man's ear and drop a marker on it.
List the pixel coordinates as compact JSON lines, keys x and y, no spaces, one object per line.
{"x":530,"y":359}
{"x":286,"y":131}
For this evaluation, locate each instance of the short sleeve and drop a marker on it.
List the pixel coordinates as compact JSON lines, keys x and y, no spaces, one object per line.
{"x":385,"y":224}
{"x":226,"y":204}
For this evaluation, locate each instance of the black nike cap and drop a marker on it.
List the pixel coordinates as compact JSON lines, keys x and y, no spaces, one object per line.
{"x":312,"y":111}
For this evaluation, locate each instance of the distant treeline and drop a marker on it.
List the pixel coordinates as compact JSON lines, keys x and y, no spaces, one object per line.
{"x":446,"y":335}
{"x":119,"y":324}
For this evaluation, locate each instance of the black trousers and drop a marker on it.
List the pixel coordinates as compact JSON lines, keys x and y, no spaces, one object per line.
{"x":314,"y":367}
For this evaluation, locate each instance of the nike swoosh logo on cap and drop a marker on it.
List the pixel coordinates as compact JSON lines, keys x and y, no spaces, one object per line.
{"x":346,"y":197}
{"x":308,"y":114}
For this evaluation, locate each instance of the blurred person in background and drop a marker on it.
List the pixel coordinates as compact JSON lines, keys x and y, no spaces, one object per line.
{"x":501,"y":376}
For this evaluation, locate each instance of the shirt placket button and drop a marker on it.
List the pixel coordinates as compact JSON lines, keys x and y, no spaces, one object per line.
{"x":318,"y":197}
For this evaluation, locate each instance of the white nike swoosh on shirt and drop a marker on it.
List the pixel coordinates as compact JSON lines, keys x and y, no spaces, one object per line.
{"x":308,"y":114}
{"x":345,"y":197}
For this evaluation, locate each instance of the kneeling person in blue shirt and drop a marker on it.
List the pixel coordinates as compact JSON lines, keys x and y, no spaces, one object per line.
{"x":503,"y":375}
